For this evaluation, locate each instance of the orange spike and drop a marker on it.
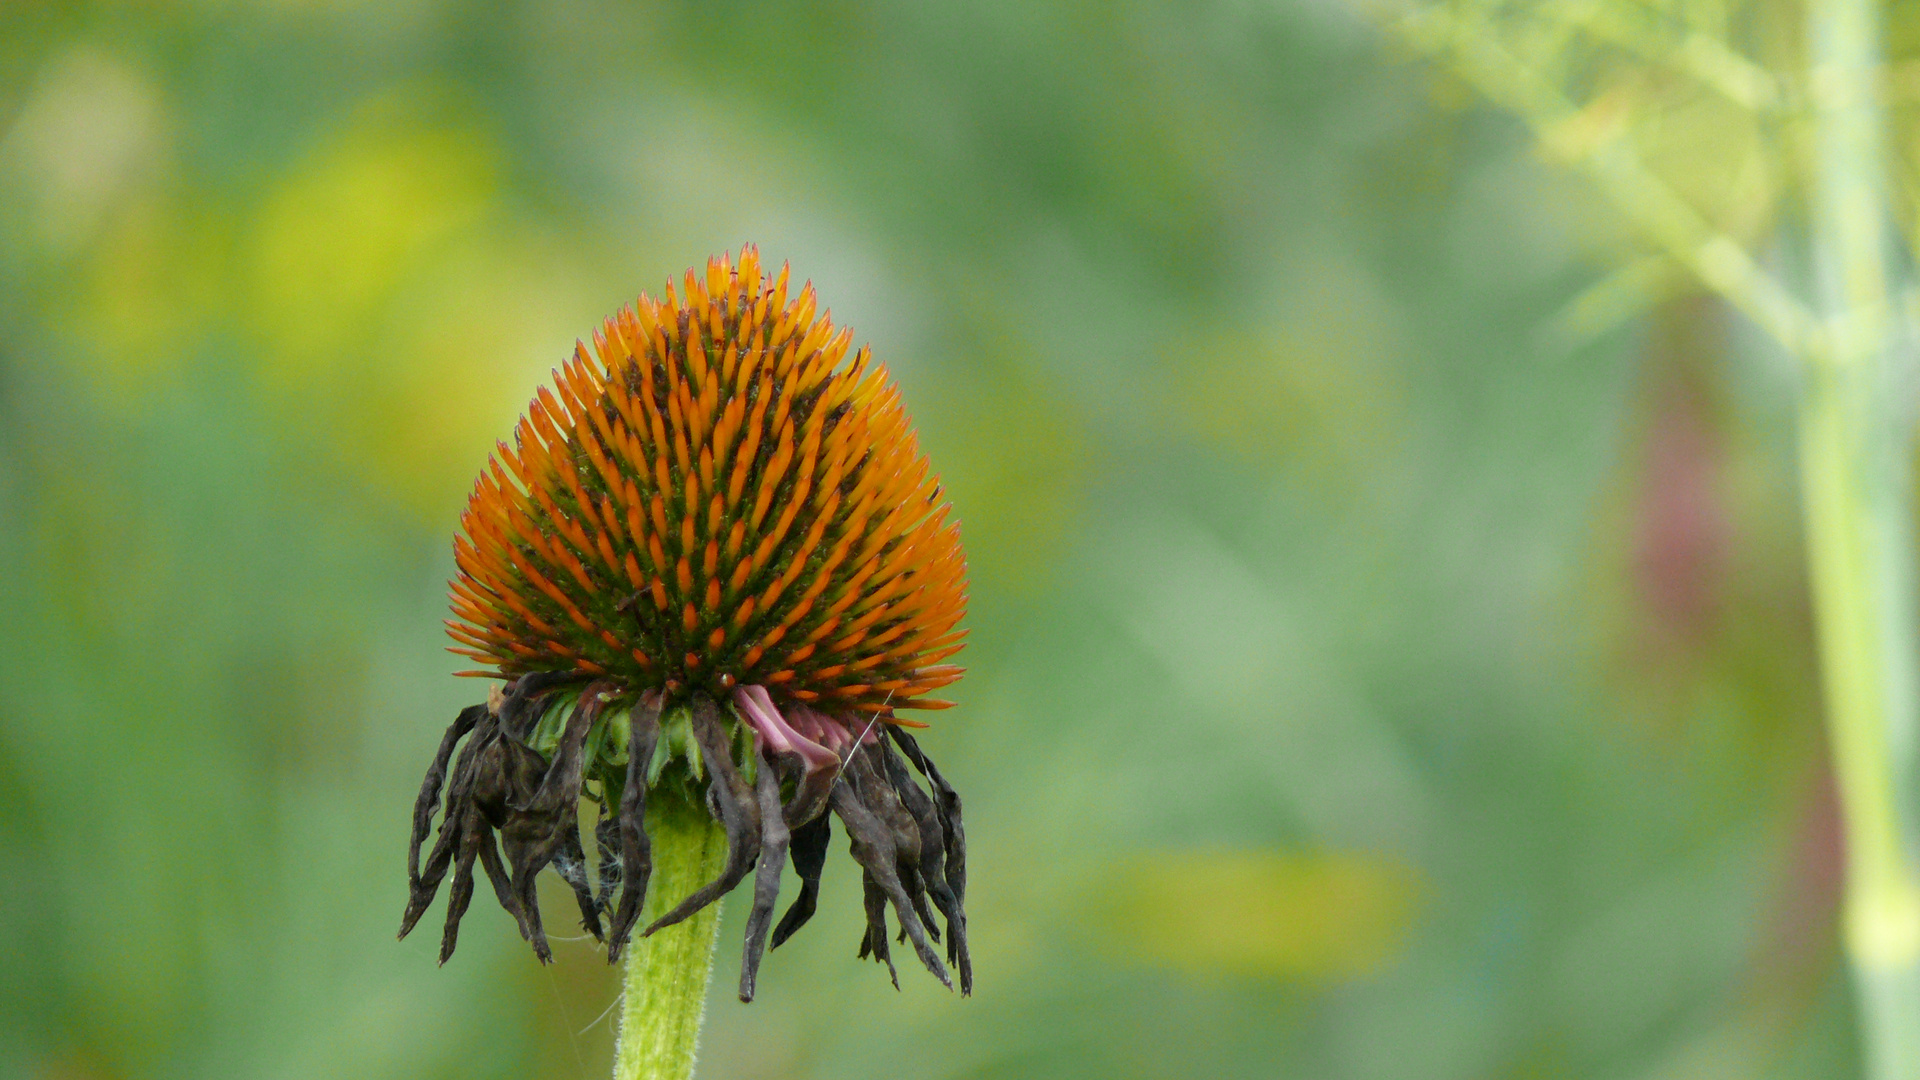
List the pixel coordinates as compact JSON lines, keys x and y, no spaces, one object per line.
{"x":743,"y":613}
{"x":605,"y":551}
{"x":461,"y":633}
{"x":612,"y":519}
{"x":635,"y":528}
{"x":697,"y":356}
{"x":678,"y":425}
{"x":646,"y":317}
{"x":803,"y":307}
{"x":770,"y":481}
{"x":662,"y":479}
{"x":764,"y":468}
{"x":780,"y":289}
{"x":658,"y":508}
{"x":751,"y":448}
{"x":705,"y":414}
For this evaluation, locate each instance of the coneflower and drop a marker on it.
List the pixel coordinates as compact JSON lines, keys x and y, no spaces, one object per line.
{"x":712,"y":571}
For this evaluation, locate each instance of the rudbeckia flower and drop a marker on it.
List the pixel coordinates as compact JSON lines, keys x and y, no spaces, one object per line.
{"x":713,"y":569}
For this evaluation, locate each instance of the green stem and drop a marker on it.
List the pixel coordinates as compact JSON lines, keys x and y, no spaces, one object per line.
{"x":666,"y":992}
{"x":1855,"y":450}
{"x":1859,"y":578}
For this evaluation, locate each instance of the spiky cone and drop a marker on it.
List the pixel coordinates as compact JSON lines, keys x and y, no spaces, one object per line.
{"x":714,"y":567}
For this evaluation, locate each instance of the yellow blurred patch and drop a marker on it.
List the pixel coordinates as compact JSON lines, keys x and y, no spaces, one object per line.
{"x":1277,"y":401}
{"x":402,"y":323}
{"x":152,"y":285}
{"x":1716,"y":156}
{"x":1260,"y":914}
{"x":1015,"y":455}
{"x":93,"y":128}
{"x":467,"y":352}
{"x":1317,"y":390}
{"x":346,"y":230}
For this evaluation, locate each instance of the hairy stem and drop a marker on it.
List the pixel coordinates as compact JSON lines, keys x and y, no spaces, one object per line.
{"x":666,"y":991}
{"x":1855,"y":449}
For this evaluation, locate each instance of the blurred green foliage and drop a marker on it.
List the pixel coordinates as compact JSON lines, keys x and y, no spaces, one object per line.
{"x":1367,"y":681}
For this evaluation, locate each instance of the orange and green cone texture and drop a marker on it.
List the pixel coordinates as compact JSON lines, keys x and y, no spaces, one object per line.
{"x":710,"y":571}
{"x":717,"y":497}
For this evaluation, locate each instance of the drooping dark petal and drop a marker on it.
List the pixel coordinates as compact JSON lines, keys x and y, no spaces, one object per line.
{"x":606,"y":836}
{"x":424,"y":890}
{"x":917,"y":892}
{"x":537,"y":820}
{"x":906,"y":835}
{"x":505,"y":775}
{"x":948,"y":802}
{"x":460,"y":893}
{"x":875,"y":942}
{"x":809,"y":848}
{"x":571,"y":862}
{"x":502,"y":884}
{"x":452,"y":822}
{"x":423,"y":806}
{"x":864,"y":771}
{"x":874,"y":850}
{"x":636,"y":850}
{"x":480,"y":747}
{"x":739,"y":813}
{"x":933,"y":858}
{"x":774,"y":837}
{"x":526,"y":696}
{"x":560,"y":787}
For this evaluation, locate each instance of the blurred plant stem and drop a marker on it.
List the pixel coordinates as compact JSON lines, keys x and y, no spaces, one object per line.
{"x":1856,"y":416}
{"x":1855,"y":452}
{"x":667,"y":973}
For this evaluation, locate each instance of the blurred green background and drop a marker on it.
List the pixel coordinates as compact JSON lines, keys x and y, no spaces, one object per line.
{"x":1381,"y":666}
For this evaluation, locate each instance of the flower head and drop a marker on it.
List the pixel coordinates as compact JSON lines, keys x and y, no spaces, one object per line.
{"x":715,"y":554}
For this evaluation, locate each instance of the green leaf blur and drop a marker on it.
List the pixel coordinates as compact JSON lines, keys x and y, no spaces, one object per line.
{"x":1368,"y":678}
